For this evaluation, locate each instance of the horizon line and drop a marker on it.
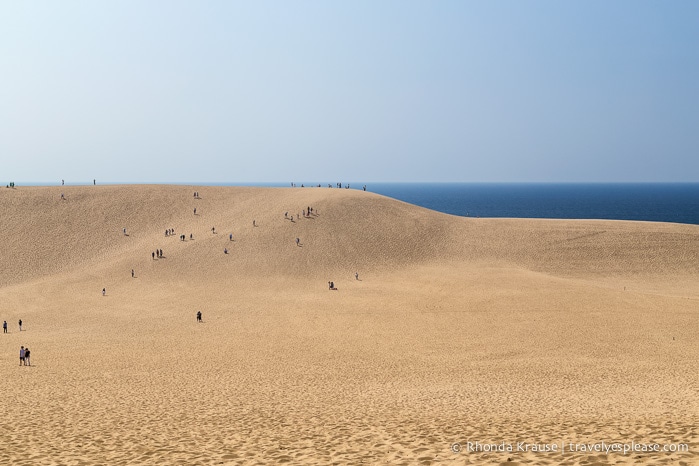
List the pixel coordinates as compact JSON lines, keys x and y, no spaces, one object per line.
{"x":353,"y":185}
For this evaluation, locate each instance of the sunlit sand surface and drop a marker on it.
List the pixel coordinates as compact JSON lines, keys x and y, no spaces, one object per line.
{"x":458,"y":330}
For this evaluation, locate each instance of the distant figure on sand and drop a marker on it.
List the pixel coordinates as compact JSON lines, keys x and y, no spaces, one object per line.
{"x":132,"y":273}
{"x":225,"y":250}
{"x":22,"y":354}
{"x":198,"y":316}
{"x":230,"y":237}
{"x":124,"y":231}
{"x":20,"y":325}
{"x":253,"y":223}
{"x":63,"y":197}
{"x":152,"y":255}
{"x":27,"y":361}
{"x":104,"y":292}
{"x":4,"y":327}
{"x":213,"y":230}
{"x":356,"y":275}
{"x":297,"y":241}
{"x":195,"y":211}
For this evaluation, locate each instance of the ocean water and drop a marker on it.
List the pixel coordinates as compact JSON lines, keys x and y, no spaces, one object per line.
{"x":657,"y":202}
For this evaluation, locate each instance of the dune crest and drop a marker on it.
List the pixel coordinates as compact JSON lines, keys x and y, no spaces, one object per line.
{"x":45,"y":234}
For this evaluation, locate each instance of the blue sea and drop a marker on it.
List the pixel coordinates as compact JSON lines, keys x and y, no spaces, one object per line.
{"x":656,"y":202}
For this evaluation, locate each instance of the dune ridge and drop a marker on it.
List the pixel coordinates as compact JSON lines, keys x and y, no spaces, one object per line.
{"x":497,"y":330}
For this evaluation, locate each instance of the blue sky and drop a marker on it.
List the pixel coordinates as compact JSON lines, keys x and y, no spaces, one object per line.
{"x":310,"y":91}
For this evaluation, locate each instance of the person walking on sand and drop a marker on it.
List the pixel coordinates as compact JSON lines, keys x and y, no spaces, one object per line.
{"x":356,"y":275}
{"x":104,"y":292}
{"x":4,"y":327}
{"x":20,"y":325}
{"x":230,"y":237}
{"x":22,"y":355}
{"x":195,"y":211}
{"x":124,"y":231}
{"x":297,"y":241}
{"x":132,"y":273}
{"x":152,"y":254}
{"x":27,"y":361}
{"x":199,"y":316}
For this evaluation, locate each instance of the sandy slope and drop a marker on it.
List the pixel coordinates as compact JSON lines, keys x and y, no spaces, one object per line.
{"x":488,"y":330}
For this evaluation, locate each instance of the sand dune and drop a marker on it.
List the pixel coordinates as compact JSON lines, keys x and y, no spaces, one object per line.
{"x":458,"y":330}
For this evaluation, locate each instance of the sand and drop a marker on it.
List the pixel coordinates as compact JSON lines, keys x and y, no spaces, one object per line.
{"x":459,"y":330}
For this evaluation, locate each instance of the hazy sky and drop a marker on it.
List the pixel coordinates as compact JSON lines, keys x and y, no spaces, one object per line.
{"x":311,"y":91}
